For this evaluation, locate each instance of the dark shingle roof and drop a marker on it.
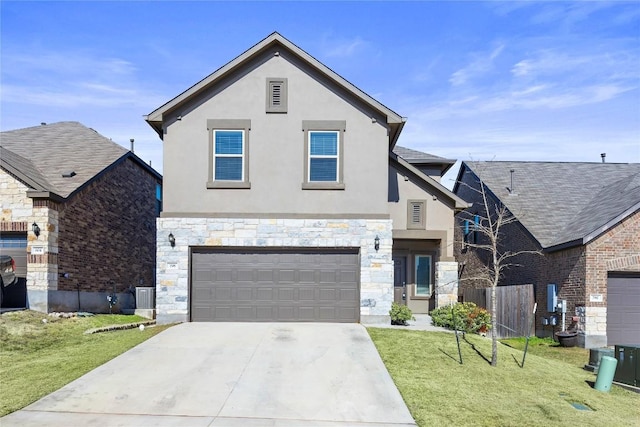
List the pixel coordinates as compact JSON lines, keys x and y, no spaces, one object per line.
{"x":563,"y":202}
{"x":417,"y":157}
{"x":41,"y":154}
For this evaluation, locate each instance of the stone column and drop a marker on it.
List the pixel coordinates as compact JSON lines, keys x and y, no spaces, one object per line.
{"x":42,"y":255}
{"x":446,"y":283}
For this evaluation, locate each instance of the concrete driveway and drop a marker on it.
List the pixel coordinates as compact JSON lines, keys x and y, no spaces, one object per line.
{"x":232,"y":374}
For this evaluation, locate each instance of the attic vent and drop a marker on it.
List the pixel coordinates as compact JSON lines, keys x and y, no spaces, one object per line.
{"x":416,"y":214}
{"x":68,"y":174}
{"x":276,"y":95}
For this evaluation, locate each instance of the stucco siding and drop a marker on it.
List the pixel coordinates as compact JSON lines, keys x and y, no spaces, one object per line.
{"x":276,"y":148}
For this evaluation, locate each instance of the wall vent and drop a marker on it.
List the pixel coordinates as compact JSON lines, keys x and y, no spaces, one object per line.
{"x":416,"y":214}
{"x":276,"y":95}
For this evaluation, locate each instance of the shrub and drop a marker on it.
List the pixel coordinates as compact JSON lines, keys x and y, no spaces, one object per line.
{"x":400,"y":314}
{"x":467,"y":316}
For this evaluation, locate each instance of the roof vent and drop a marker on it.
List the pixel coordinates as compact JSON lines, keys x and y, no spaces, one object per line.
{"x":43,"y":124}
{"x":512,"y":191}
{"x":604,"y":156}
{"x":68,"y":174}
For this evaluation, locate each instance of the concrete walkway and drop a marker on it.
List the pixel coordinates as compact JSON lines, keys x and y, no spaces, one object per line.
{"x":232,"y":374}
{"x":422,"y":323}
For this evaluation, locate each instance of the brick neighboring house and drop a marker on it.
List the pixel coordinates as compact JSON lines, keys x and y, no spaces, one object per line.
{"x":79,"y":215}
{"x":584,"y":218}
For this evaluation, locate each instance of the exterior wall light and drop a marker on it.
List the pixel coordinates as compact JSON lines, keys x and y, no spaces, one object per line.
{"x":36,"y":229}
{"x":172,"y":240}
{"x":376,"y":243}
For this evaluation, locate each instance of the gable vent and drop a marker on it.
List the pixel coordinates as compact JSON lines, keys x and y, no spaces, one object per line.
{"x":416,"y":214}
{"x":276,"y":95}
{"x":276,"y":91}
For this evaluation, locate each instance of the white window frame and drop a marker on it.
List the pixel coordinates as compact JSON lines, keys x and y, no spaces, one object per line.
{"x":216,"y":155}
{"x":324,"y":156}
{"x":231,"y":125}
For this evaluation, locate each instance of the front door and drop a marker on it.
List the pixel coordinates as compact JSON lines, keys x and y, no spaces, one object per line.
{"x":400,"y":280}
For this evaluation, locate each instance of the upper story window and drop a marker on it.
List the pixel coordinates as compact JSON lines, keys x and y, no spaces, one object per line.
{"x":229,"y":158}
{"x":228,"y":155}
{"x":324,"y":158}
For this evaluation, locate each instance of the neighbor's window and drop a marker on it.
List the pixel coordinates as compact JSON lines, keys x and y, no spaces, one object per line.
{"x":323,"y":154}
{"x":423,"y":275}
{"x":158,"y":199}
{"x":229,"y":146}
{"x":471,"y":230}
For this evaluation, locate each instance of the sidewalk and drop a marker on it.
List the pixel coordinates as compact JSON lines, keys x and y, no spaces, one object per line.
{"x":422,"y":323}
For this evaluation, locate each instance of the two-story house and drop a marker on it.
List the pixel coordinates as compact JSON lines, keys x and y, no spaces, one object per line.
{"x":277,"y":197}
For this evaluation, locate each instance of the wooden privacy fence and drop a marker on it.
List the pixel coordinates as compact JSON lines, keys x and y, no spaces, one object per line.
{"x":515,"y":307}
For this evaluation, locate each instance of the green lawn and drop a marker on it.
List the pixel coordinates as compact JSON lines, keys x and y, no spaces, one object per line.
{"x":440,"y":391}
{"x":37,"y":358}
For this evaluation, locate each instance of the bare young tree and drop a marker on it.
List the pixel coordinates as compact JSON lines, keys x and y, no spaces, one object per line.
{"x":489,"y":225}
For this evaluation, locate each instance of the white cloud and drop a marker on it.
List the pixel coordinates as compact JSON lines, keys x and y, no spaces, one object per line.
{"x":342,"y":48}
{"x":481,"y":64}
{"x":73,"y":79}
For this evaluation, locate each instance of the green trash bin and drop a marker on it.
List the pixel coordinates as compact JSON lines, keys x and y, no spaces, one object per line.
{"x":605,"y":373}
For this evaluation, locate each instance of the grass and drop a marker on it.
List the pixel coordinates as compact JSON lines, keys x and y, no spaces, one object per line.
{"x":37,"y":358}
{"x":550,"y":349}
{"x":439,"y":390}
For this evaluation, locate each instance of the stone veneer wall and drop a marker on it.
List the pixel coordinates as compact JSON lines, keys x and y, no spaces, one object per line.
{"x":42,"y":269}
{"x":446,"y":283}
{"x":376,"y":268}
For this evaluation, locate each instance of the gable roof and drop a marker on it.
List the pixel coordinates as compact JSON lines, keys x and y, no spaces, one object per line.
{"x":156,"y":117}
{"x":563,"y":204}
{"x":435,"y":185}
{"x":40,"y":155}
{"x":419,"y":158}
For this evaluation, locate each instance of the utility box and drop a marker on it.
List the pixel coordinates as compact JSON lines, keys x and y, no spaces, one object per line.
{"x":595,"y":356}
{"x":628,"y":370}
{"x":146,"y":297}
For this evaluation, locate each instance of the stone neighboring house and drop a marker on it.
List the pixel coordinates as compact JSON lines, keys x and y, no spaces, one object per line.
{"x":284,"y":201}
{"x":585,"y":220}
{"x":79,"y":214}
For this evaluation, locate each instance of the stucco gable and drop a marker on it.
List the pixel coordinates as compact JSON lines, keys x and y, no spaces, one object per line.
{"x":280,"y":46}
{"x":424,"y":180}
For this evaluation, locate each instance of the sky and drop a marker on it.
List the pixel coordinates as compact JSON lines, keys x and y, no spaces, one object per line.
{"x":537,"y":81}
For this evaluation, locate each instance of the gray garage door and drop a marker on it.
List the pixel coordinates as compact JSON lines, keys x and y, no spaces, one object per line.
{"x":275,"y":286}
{"x":623,"y":309}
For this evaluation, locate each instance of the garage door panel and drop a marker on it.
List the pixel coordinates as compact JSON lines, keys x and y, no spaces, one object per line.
{"x":275,"y":286}
{"x":219,"y":294}
{"x":307,"y":294}
{"x":307,"y":276}
{"x":623,"y":309}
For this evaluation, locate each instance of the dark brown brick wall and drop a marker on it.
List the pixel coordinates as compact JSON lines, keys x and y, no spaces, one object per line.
{"x":107,"y":232}
{"x":577,"y":271}
{"x":616,"y":250}
{"x":14,"y":226}
{"x":521,"y":269}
